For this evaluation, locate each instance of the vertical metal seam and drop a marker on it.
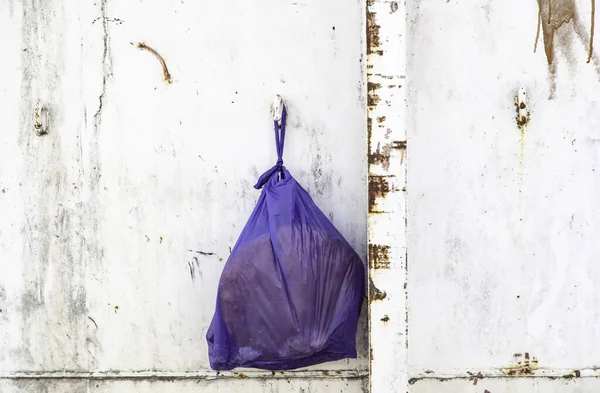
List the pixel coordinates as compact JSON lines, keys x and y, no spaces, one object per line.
{"x":387,"y":211}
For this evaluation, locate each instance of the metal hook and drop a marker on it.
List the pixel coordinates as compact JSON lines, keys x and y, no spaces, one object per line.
{"x":277,"y":109}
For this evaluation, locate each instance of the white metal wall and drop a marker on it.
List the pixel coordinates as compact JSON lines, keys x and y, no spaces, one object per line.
{"x":114,"y":226}
{"x":504,"y":214}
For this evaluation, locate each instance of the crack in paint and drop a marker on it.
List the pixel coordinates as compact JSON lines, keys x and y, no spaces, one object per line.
{"x":105,"y":65}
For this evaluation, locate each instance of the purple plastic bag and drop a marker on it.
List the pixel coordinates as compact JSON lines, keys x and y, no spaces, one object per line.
{"x":291,"y":291}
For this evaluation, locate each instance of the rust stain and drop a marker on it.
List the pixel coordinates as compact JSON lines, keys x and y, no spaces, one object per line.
{"x":379,"y":257}
{"x":522,"y":119}
{"x":92,"y":319}
{"x":375,"y":293}
{"x":592,"y":27}
{"x":573,"y":374}
{"x":525,"y":365}
{"x":537,"y":34}
{"x":552,"y":15}
{"x":380,"y":156}
{"x":413,"y":380}
{"x":400,"y":145}
{"x":523,"y":116}
{"x":475,"y":377}
{"x":373,"y":41}
{"x":166,"y":75}
{"x":372,"y":96}
{"x":378,"y":188}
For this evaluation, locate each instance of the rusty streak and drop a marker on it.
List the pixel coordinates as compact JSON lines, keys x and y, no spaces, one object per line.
{"x":399,"y":145}
{"x":559,"y":12}
{"x":539,"y":25}
{"x":166,"y":75}
{"x":379,"y":257}
{"x":92,"y":319}
{"x":591,"y":50}
{"x":373,"y":35}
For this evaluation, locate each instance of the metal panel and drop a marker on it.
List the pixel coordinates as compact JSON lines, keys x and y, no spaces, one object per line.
{"x":116,"y":223}
{"x":503,"y":200}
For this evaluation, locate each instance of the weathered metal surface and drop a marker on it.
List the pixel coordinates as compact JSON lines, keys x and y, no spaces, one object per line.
{"x":116,"y":223}
{"x":507,"y":385}
{"x":191,"y":386}
{"x":503,"y":204}
{"x":387,"y":188}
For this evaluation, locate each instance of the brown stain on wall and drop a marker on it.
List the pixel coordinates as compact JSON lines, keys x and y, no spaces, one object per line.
{"x":378,"y":188}
{"x":166,"y":74}
{"x":379,"y":257}
{"x":373,"y":41}
{"x":375,"y":293}
{"x":552,"y":16}
{"x":524,"y":365}
{"x":372,"y":95}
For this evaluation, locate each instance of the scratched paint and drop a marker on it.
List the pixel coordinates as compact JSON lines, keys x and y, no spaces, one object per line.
{"x":117,"y":222}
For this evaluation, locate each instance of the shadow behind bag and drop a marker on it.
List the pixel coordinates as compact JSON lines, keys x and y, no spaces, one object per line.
{"x":291,"y":291}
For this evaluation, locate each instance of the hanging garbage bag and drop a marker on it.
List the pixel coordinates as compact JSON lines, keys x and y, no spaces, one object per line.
{"x":291,"y":291}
